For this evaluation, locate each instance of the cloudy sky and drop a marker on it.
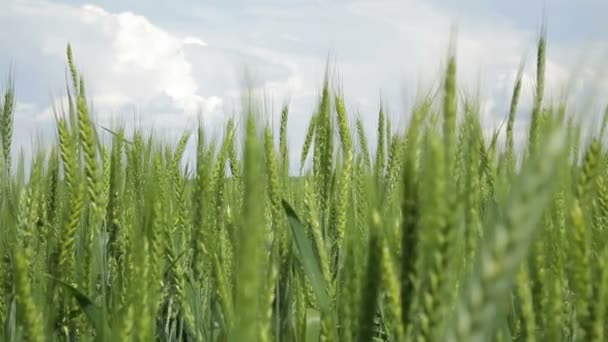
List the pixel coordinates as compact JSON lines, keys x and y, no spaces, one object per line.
{"x":160,"y":63}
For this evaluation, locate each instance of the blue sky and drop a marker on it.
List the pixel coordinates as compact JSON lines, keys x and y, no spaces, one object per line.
{"x":169,"y":61}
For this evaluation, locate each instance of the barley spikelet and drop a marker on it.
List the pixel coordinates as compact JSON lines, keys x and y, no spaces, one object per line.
{"x":6,"y":123}
{"x":363,"y":145}
{"x":380,"y":146}
{"x":250,"y":256}
{"x":506,"y":248}
{"x":22,"y":257}
{"x":283,"y":148}
{"x":540,"y":88}
{"x":310,"y":135}
{"x":511,"y":119}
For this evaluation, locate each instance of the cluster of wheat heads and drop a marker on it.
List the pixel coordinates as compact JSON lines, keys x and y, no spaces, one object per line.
{"x":441,"y":234}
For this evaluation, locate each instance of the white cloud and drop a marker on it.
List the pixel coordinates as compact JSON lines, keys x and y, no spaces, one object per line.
{"x":125,"y":58}
{"x":194,"y":41}
{"x":163,"y":70}
{"x":143,"y":60}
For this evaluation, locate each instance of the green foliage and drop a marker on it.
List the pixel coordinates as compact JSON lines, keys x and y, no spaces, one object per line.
{"x":436,"y":233}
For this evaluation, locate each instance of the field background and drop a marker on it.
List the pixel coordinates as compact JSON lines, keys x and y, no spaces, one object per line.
{"x":440,"y":234}
{"x":283,"y":211}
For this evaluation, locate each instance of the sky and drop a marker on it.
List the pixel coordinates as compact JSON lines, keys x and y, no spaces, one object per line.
{"x":161,"y":64}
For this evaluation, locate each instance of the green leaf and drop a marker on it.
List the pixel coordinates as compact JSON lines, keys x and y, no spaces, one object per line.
{"x":307,"y":257}
{"x":89,"y":308}
{"x":171,"y":265}
{"x":313,"y":325}
{"x":115,"y":134}
{"x":505,"y":331}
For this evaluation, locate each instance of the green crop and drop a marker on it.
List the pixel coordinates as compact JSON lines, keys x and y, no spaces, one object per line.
{"x":436,"y":233}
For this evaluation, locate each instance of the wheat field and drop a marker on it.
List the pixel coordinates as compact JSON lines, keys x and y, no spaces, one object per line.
{"x":440,"y":233}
